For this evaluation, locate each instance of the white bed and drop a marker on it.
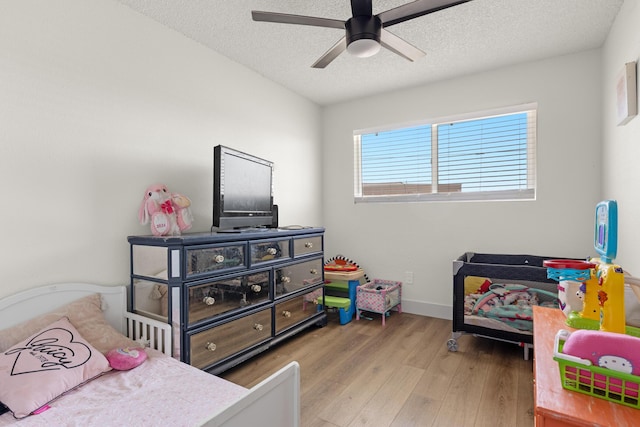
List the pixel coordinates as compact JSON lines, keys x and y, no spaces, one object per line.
{"x":162,"y":391}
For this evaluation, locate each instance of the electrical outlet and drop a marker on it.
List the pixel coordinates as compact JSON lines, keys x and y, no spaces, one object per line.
{"x":408,"y":277}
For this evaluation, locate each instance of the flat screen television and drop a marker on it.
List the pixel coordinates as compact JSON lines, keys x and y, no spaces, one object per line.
{"x":242,"y":190}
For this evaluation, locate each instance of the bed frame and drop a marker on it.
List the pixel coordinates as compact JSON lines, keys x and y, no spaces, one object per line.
{"x":522,"y":269}
{"x":274,"y":402}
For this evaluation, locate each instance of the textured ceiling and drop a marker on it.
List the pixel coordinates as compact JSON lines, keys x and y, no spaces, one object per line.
{"x":469,"y":38}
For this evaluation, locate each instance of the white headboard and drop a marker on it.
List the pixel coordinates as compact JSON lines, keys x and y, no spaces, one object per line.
{"x":33,"y":302}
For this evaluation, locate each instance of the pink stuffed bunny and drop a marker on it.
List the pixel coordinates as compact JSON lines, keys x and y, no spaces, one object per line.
{"x":169,"y":213}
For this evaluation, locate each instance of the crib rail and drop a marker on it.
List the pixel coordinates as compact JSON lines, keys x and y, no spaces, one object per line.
{"x":149,"y":332}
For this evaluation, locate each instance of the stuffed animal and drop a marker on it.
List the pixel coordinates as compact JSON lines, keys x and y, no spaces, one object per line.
{"x":611,"y":350}
{"x":123,"y":359}
{"x":169,"y":213}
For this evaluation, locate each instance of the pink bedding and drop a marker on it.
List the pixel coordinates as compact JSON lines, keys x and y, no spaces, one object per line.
{"x":160,"y":392}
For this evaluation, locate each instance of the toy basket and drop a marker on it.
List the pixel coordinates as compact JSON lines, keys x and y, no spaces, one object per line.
{"x":580,"y":375}
{"x":379,"y":296}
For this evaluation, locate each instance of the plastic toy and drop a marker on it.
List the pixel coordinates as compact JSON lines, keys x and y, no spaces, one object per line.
{"x":342,"y":277}
{"x":340,"y":263}
{"x":169,"y":213}
{"x":602,"y":283}
{"x":571,"y":296}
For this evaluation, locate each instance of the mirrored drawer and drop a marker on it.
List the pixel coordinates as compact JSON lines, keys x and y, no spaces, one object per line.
{"x":212,"y":345}
{"x":298,"y":276}
{"x":201,"y":260}
{"x":307,"y":245}
{"x":267,"y":251}
{"x":296,"y":310}
{"x":213,"y":298}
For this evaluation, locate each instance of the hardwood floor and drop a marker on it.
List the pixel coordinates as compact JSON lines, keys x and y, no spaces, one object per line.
{"x":361,"y":374}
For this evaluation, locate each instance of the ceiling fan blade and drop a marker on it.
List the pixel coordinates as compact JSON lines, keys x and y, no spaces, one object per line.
{"x":285,"y":18}
{"x":399,"y":46}
{"x":361,"y":7}
{"x":331,"y":54}
{"x":414,"y":10}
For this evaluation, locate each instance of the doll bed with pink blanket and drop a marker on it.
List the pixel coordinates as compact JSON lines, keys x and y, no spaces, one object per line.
{"x":160,"y":391}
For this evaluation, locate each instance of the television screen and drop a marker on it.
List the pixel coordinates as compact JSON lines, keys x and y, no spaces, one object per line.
{"x":242,"y":190}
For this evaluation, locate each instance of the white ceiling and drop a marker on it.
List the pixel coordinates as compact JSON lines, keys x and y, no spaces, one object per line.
{"x":468,"y":38}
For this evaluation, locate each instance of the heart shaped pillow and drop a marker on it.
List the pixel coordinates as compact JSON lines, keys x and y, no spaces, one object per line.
{"x":47,"y":364}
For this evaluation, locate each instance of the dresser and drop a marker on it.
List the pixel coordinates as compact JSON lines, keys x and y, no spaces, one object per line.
{"x":555,"y":406}
{"x":229,"y":296}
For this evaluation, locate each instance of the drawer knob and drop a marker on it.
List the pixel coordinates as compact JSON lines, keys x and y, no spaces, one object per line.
{"x":286,"y":314}
{"x":313,"y":271}
{"x":308,"y":245}
{"x":211,"y":346}
{"x":218,"y":259}
{"x":272,"y":251}
{"x":256,"y":288}
{"x":258,"y":327}
{"x":209,"y":300}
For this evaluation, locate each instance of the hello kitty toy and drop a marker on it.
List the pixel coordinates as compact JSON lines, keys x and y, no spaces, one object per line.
{"x":168,"y":213}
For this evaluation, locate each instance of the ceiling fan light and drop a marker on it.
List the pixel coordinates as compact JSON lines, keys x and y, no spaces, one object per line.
{"x":363,"y":48}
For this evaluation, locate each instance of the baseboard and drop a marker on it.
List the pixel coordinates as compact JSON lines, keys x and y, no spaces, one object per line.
{"x":427,"y":309}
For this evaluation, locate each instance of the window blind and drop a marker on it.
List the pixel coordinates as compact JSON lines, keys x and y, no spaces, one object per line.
{"x":488,"y":157}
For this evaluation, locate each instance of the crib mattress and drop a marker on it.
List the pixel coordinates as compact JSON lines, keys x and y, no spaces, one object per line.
{"x":492,"y":324}
{"x":160,"y":392}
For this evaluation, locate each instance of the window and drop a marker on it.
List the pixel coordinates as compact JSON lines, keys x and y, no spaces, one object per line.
{"x":484,"y":156}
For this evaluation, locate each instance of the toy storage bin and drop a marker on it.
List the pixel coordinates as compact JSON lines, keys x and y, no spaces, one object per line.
{"x":340,"y":292}
{"x":337,"y":282}
{"x":379,"y":296}
{"x":614,"y":386}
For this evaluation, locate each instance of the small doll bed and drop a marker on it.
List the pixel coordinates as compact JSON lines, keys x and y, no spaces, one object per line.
{"x":493,"y":295}
{"x":161,"y":391}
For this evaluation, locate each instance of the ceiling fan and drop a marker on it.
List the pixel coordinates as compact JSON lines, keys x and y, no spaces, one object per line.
{"x":365,"y":32}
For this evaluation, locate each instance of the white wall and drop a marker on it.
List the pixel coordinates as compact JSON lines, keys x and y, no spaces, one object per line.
{"x":391,"y":239}
{"x":96,"y":103}
{"x":621,"y":144}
